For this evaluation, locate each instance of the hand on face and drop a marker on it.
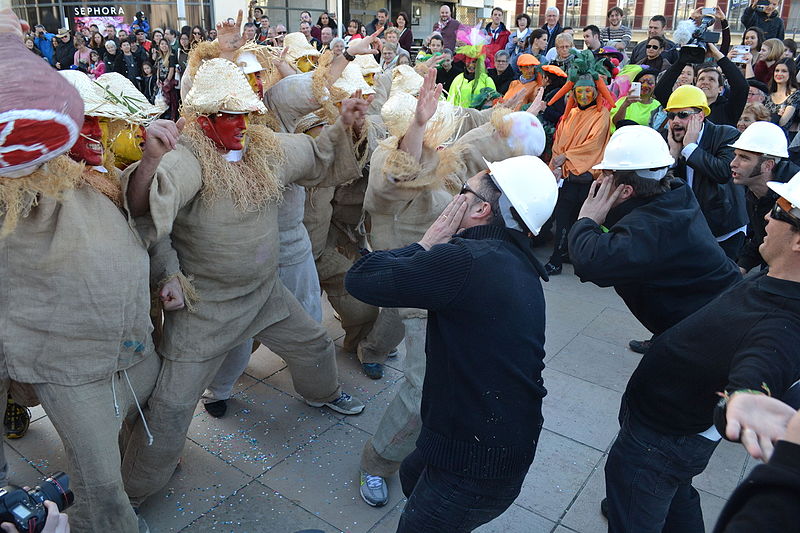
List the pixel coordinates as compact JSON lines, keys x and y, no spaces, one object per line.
{"x":602,"y":196}
{"x":448,"y":223}
{"x":693,"y":129}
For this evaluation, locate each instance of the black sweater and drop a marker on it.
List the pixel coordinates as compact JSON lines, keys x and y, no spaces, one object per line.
{"x":750,"y":257}
{"x":767,"y":501}
{"x":658,"y":254}
{"x":482,"y":395}
{"x":744,"y":339}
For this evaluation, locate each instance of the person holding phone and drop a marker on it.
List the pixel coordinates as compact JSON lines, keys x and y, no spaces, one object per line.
{"x":764,"y":14}
{"x":638,"y":105}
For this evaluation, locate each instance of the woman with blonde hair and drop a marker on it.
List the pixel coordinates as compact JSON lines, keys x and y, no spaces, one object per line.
{"x":769,"y":55}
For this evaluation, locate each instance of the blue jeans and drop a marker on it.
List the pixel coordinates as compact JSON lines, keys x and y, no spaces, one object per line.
{"x":649,"y":479}
{"x":443,"y":502}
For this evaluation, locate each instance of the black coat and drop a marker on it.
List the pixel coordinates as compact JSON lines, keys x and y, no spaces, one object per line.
{"x":772,"y":26}
{"x":766,"y":500}
{"x":721,"y":201}
{"x":65,"y":55}
{"x":658,"y":255}
{"x":551,"y":39}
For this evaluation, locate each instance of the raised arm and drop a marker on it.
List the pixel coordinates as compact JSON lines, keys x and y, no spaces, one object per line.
{"x":162,"y":137}
{"x":427,"y":102}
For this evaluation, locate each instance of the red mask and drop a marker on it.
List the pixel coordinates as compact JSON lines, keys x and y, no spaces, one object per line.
{"x":226,"y":130}
{"x":89,"y":146}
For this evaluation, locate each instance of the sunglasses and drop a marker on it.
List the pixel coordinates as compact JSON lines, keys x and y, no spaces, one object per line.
{"x":681,"y":114}
{"x":781,"y":211}
{"x":652,"y":47}
{"x":466,"y":188}
{"x":281,"y":33}
{"x":196,"y":33}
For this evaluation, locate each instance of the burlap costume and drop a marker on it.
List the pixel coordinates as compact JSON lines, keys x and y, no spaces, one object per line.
{"x":333,"y":217}
{"x":232,"y":253}
{"x":403,"y":199}
{"x":75,"y":314}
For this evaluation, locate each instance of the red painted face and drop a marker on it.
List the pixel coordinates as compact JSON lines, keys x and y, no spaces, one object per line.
{"x":89,"y":146}
{"x":225,"y":129}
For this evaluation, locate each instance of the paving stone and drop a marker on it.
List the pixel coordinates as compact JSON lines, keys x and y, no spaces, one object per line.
{"x":201,"y":482}
{"x":616,"y":327}
{"x":580,"y":410}
{"x":583,"y":514}
{"x":374,"y":410}
{"x":516,"y":519}
{"x":389,"y":523}
{"x":256,"y":508}
{"x":712,"y":506}
{"x":323,"y":477}
{"x":261,"y":428}
{"x":559,"y":471}
{"x":724,"y":470}
{"x":598,"y":361}
{"x":41,"y":447}
{"x":567,"y":316}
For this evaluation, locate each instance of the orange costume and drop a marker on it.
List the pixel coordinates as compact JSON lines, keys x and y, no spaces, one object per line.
{"x":581,"y":136}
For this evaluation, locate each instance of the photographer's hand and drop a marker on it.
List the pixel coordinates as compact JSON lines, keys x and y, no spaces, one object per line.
{"x":56,"y":522}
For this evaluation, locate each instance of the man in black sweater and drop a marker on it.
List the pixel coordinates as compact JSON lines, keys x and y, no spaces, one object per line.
{"x":760,"y":156}
{"x":483,"y":389}
{"x":724,"y":109}
{"x":744,"y":340}
{"x":657,"y":252}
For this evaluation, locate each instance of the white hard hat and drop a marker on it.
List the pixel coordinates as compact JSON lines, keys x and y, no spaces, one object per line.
{"x":249,"y":62}
{"x":528,"y":185}
{"x":790,"y":191}
{"x":763,"y":138}
{"x":637,"y":148}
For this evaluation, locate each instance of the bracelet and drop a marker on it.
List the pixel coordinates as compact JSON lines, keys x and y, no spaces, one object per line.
{"x":348,"y":56}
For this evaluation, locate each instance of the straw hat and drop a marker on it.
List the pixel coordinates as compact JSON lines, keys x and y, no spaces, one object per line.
{"x":352,"y":80}
{"x":367,"y":64}
{"x":95,"y":103}
{"x":297,"y":46}
{"x":121,"y":91}
{"x":406,"y":80}
{"x":221,"y":86}
{"x":308,"y":122}
{"x":398,"y":112}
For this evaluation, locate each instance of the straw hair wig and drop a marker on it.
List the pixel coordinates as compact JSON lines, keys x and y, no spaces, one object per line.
{"x":297,"y":46}
{"x":350,"y":81}
{"x":398,"y":112}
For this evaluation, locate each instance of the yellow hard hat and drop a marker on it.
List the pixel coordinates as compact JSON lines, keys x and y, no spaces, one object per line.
{"x":688,"y":96}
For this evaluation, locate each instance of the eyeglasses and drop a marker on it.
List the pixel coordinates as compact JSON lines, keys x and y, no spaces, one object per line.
{"x":652,"y":46}
{"x":465,"y":188}
{"x":681,"y":114}
{"x":281,"y":33}
{"x":782,"y":211}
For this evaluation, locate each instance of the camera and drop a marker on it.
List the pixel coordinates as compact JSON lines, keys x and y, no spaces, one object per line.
{"x":693,"y":46}
{"x":761,"y":5}
{"x":25,"y":508}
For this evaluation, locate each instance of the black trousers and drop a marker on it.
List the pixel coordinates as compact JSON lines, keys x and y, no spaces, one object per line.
{"x":571,"y":196}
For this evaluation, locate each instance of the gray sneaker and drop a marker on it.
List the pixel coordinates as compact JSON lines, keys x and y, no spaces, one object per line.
{"x":345,"y":404}
{"x":374,"y":490}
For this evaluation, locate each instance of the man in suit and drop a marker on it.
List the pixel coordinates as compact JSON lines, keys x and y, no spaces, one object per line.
{"x":552,"y":25}
{"x":703,"y":154}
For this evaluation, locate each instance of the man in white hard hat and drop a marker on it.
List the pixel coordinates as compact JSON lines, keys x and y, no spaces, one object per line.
{"x":657,"y":252}
{"x":483,"y":390}
{"x":743,"y":344}
{"x":760,"y":156}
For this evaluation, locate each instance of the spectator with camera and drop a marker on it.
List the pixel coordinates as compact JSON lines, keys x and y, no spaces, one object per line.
{"x":44,"y":42}
{"x":764,"y":14}
{"x":724,"y":108}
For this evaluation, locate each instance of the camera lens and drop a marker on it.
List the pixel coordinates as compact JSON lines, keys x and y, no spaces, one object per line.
{"x":56,"y":489}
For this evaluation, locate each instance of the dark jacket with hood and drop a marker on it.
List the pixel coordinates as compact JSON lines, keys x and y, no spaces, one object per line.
{"x":771,"y":24}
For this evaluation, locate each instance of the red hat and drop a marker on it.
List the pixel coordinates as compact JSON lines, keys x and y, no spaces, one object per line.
{"x":38,"y":121}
